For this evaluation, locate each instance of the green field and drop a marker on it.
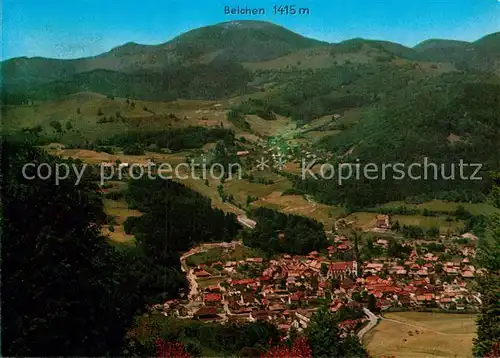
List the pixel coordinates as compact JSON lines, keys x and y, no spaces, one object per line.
{"x":240,"y":252}
{"x":419,"y":335}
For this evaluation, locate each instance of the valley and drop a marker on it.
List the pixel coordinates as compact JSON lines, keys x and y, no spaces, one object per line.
{"x":251,"y":244}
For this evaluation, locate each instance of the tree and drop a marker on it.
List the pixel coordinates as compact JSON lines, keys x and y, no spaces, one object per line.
{"x":488,"y":321}
{"x":433,"y":232}
{"x":298,"y":348}
{"x":461,"y":213}
{"x":170,"y":349}
{"x":351,"y":347}
{"x":372,"y":303}
{"x":324,"y":336}
{"x":133,"y":149}
{"x":495,"y":351}
{"x":64,"y":288}
{"x":355,"y":238}
{"x":220,"y":191}
{"x":324,"y":269}
{"x":57,"y":126}
{"x":314,"y":282}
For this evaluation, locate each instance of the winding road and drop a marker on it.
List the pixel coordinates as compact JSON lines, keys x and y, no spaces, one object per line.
{"x":370,"y":325}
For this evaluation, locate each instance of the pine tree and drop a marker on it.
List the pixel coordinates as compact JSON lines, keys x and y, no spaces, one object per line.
{"x":488,"y":321}
{"x":323,"y":334}
{"x":325,"y":339}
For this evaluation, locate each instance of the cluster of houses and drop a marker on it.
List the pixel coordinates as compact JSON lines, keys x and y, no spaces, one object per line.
{"x":288,"y":289}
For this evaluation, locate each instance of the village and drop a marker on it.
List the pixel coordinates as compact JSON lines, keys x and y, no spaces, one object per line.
{"x":287,"y":289}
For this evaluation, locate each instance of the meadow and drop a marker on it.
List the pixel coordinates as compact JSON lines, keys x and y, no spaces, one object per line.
{"x":422,"y":334}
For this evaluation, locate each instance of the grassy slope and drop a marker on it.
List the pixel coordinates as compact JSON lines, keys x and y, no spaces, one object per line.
{"x":440,"y":335}
{"x":82,"y":111}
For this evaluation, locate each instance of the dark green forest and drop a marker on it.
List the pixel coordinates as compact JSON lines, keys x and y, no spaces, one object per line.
{"x":281,"y":233}
{"x":65,"y":290}
{"x":411,"y":126}
{"x":200,"y":81}
{"x":173,"y":139}
{"x":488,"y":285}
{"x":175,"y":217}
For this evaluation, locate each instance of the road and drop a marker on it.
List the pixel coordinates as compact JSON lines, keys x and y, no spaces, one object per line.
{"x":242,"y":218}
{"x":193,"y":285}
{"x":370,"y":325}
{"x":249,"y":223}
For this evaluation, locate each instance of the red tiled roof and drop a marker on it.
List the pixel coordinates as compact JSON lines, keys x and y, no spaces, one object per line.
{"x":371,"y":279}
{"x":419,"y":282}
{"x":245,"y":281}
{"x":201,"y":273}
{"x":206,"y":311}
{"x":212,"y":297}
{"x":341,"y":266}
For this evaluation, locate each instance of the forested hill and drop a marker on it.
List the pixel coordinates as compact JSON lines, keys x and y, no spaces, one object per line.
{"x":222,"y":60}
{"x":482,"y":54}
{"x":225,"y":43}
{"x":446,"y":120}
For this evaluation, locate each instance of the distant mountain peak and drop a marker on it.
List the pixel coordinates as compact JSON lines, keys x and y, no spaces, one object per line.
{"x":440,"y":43}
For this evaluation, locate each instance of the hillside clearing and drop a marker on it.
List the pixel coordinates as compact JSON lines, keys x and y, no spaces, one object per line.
{"x":298,"y":205}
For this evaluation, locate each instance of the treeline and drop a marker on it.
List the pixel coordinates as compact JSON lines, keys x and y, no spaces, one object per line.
{"x":322,"y":337}
{"x":173,"y":139}
{"x":174,"y":216}
{"x":487,"y":342}
{"x":257,"y":107}
{"x":277,"y":232}
{"x":198,"y":338}
{"x":460,"y":212}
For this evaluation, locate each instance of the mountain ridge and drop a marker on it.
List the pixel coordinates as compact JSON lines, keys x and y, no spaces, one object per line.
{"x":241,"y":21}
{"x":213,"y":48}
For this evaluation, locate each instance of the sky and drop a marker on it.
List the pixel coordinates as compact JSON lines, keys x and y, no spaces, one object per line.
{"x":80,"y":28}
